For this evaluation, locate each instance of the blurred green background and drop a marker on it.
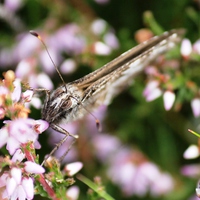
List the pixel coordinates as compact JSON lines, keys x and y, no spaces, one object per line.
{"x":162,"y":136}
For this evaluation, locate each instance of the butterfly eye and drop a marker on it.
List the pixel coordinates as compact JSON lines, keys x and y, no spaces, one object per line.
{"x":66,"y":104}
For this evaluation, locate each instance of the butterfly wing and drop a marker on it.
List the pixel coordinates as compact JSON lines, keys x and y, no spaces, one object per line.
{"x":103,"y":84}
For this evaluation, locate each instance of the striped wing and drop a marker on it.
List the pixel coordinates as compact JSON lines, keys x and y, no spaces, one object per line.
{"x":103,"y":84}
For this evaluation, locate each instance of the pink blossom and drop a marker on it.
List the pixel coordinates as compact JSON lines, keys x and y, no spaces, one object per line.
{"x":111,"y":40}
{"x":169,"y":98}
{"x":152,"y":91}
{"x":18,"y":156}
{"x":186,"y":48}
{"x":27,"y":95}
{"x":3,"y":90}
{"x":32,"y":167}
{"x":191,"y":170}
{"x":13,"y":6}
{"x":102,"y":1}
{"x":17,"y":186}
{"x":73,"y":193}
{"x":98,"y":26}
{"x":16,"y":173}
{"x":196,"y":46}
{"x":101,"y":48}
{"x":16,"y":94}
{"x":195,"y":104}
{"x":68,"y":39}
{"x":27,"y":184}
{"x":73,"y":168}
{"x":191,"y":152}
{"x":68,"y":66}
{"x":136,"y":178}
{"x":105,"y":146}
{"x":18,"y":132}
{"x":26,"y":46}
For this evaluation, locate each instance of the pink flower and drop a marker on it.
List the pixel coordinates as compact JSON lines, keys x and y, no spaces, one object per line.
{"x":152,"y":91}
{"x":32,"y":167}
{"x":195,"y":104}
{"x":17,"y":186}
{"x":101,"y":49}
{"x":16,"y":94}
{"x":73,"y":168}
{"x":111,"y":40}
{"x":186,"y":48}
{"x":191,"y":170}
{"x":102,"y":1}
{"x":18,"y":156}
{"x":13,"y":6}
{"x":98,"y":26}
{"x":68,"y":66}
{"x":73,"y":193}
{"x":68,"y":39}
{"x":20,"y":131}
{"x":138,"y":178}
{"x":169,"y":98}
{"x":191,"y":152}
{"x":196,"y":47}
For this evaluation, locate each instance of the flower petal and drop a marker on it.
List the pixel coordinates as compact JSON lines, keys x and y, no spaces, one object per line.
{"x":10,"y":186}
{"x":169,"y":98}
{"x":32,"y":167}
{"x":27,"y":184}
{"x":73,"y":168}
{"x":3,"y":136}
{"x":16,"y":173}
{"x":195,"y":104}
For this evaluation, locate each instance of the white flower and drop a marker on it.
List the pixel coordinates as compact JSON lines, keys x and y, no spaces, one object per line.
{"x":32,"y":167}
{"x":186,"y":48}
{"x":73,"y":168}
{"x":191,"y":152}
{"x":169,"y":98}
{"x":195,"y":104}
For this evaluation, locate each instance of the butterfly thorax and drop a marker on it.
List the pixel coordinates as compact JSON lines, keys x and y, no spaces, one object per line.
{"x":63,"y":104}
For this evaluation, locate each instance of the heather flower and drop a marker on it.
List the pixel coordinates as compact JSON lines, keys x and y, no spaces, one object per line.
{"x":195,"y":104}
{"x":68,"y":66}
{"x":73,"y":168}
{"x":26,"y":71}
{"x":152,"y":91}
{"x":196,"y":47}
{"x":32,"y":167}
{"x":191,"y":152}
{"x":68,"y":39}
{"x":102,"y":1}
{"x":18,"y":156}
{"x":186,"y":48}
{"x":73,"y":193}
{"x":20,"y":131}
{"x":13,"y":6}
{"x":111,"y":40}
{"x":17,"y":184}
{"x":139,"y":179}
{"x":100,"y":48}
{"x":169,"y":98}
{"x":98,"y":26}
{"x":191,"y":170}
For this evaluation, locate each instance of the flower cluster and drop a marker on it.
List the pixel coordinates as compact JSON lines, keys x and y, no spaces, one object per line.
{"x":21,"y":172}
{"x":162,"y":82}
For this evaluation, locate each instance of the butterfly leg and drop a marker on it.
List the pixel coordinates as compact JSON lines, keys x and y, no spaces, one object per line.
{"x":66,"y":133}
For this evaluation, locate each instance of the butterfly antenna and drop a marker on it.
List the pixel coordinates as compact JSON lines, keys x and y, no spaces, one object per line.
{"x":98,"y":125}
{"x":45,"y":46}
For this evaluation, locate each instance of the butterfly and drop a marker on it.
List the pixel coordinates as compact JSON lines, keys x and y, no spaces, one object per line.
{"x":73,"y":100}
